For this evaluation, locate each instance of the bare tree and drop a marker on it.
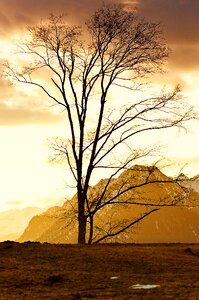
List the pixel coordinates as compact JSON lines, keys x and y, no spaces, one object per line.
{"x":116,"y":51}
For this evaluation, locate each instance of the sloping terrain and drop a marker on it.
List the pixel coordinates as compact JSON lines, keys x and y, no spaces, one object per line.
{"x":169,"y":224}
{"x":13,"y":222}
{"x":194,"y":183}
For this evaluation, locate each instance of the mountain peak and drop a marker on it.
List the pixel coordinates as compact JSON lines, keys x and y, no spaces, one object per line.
{"x":169,"y":224}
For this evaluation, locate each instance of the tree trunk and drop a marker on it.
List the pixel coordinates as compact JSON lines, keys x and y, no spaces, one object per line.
{"x":81,"y":231}
{"x":81,"y":221}
{"x":91,"y":231}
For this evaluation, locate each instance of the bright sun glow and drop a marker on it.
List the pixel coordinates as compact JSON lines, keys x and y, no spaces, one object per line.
{"x":26,"y":177}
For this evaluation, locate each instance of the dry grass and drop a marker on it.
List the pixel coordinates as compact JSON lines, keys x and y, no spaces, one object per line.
{"x":46,"y":271}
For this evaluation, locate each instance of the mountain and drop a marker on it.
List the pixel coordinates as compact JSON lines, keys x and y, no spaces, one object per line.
{"x":169,"y":224}
{"x":13,"y":222}
{"x":194,"y":183}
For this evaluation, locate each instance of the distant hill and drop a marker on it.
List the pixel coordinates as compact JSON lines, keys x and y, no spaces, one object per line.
{"x":13,"y":222}
{"x":194,"y":183}
{"x":10,"y":237}
{"x":169,"y":224}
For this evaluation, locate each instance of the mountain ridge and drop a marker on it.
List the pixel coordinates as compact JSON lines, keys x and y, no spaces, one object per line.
{"x":169,"y":224}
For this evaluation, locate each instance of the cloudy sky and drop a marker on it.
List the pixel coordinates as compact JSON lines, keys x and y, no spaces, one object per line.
{"x":27,"y":121}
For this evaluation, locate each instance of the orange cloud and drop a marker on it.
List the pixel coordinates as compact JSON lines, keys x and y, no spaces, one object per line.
{"x":180,"y":18}
{"x":180,"y":22}
{"x":16,"y":109}
{"x":17,"y":14}
{"x":12,"y":116}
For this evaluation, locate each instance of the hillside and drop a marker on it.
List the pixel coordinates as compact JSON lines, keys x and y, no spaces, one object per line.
{"x":13,"y":222}
{"x":195,"y":183}
{"x":169,"y":224}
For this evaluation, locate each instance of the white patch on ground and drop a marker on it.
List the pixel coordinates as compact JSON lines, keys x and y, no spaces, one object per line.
{"x":145,"y":286}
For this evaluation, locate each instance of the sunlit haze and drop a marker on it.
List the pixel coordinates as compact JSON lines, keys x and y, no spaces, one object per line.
{"x":28,"y":120}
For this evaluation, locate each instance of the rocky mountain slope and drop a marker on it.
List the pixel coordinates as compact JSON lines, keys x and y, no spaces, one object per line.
{"x":169,"y":224}
{"x":194,"y":183}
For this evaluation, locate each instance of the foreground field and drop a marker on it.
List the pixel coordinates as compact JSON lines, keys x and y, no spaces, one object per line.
{"x":113,"y":271}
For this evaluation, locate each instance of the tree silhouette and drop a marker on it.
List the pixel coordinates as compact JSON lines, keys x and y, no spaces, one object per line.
{"x":83,"y":69}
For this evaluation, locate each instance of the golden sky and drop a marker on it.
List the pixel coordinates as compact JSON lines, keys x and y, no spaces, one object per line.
{"x":27,"y":120}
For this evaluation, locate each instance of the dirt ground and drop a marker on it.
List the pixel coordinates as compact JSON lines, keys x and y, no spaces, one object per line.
{"x":106,"y":271}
